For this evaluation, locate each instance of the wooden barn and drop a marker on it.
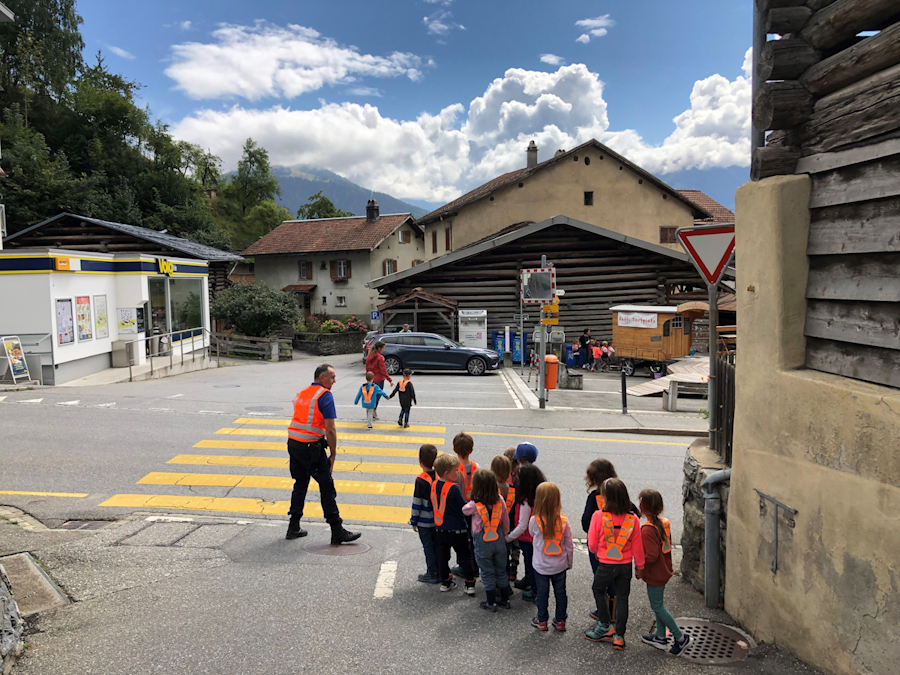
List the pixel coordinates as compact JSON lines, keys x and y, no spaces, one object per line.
{"x":596,"y":267}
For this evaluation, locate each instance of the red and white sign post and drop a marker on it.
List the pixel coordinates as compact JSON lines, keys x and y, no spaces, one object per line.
{"x":710,"y":248}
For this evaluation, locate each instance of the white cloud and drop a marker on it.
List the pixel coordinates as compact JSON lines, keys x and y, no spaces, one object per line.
{"x":440,"y":23}
{"x":185,"y":25}
{"x":271,"y":61}
{"x":597,"y":27}
{"x":436,"y":157}
{"x":118,"y":51}
{"x":553,"y":59}
{"x":364,"y":91}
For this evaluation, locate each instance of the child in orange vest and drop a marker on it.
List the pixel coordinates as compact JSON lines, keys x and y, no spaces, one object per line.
{"x":369,"y":393}
{"x":501,"y":469}
{"x":450,"y":522}
{"x":553,"y":555}
{"x":490,"y":525}
{"x":656,"y":536}
{"x":407,"y":397}
{"x":515,"y":552}
{"x":529,"y":478}
{"x":422,"y":519}
{"x":615,"y":538}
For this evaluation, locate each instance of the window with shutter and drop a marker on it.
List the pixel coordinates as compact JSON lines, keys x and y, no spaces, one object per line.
{"x":447,"y":239}
{"x":667,"y":235}
{"x":405,"y":236}
{"x":434,"y":241}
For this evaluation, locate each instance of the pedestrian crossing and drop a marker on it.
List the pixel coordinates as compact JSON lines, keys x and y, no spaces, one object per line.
{"x":374,"y":466}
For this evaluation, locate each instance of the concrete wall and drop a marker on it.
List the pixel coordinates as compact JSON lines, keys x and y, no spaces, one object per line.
{"x":827,"y":446}
{"x":621,"y":204}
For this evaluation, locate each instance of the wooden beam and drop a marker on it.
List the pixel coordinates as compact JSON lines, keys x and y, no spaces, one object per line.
{"x":868,"y":57}
{"x":875,"y":324}
{"x":869,"y":277}
{"x":858,"y":183}
{"x":786,"y":59}
{"x":871,"y":364}
{"x":766,"y":5}
{"x":781,"y":105}
{"x":773,"y":160}
{"x":783,"y":20}
{"x":841,"y":21}
{"x":870,"y":227}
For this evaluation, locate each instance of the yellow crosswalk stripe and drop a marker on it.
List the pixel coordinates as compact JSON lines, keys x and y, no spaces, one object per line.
{"x":281,"y":446}
{"x":576,"y":438}
{"x":383,"y":438}
{"x":345,"y":425}
{"x":44,"y":494}
{"x":374,"y":514}
{"x":272,"y":482}
{"x":279,"y":463}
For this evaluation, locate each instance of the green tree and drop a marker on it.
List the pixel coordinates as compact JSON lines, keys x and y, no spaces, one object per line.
{"x":319,"y":206}
{"x":260,"y":220}
{"x":253,"y":182}
{"x":256,"y":310}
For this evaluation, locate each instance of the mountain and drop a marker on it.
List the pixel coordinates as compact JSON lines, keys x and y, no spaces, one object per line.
{"x":299,"y":183}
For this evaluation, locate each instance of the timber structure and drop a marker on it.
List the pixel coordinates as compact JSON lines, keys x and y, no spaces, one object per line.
{"x":829,"y":93}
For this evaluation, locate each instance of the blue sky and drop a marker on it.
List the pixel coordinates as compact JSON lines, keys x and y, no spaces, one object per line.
{"x":425,"y":99}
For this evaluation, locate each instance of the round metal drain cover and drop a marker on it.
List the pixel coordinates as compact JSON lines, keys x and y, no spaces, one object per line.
{"x":343,"y":549}
{"x":263,"y":408}
{"x":227,"y":386}
{"x":713,"y":644}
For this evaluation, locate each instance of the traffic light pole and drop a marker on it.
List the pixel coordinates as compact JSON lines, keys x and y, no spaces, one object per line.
{"x":713,"y":355}
{"x":542,"y":366}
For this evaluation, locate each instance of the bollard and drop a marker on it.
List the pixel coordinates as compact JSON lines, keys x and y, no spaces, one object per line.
{"x":624,"y":396}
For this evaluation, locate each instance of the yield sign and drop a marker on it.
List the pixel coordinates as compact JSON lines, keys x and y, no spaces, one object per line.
{"x":710,"y":248}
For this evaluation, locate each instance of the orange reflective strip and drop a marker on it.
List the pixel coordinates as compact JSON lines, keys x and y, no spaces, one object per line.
{"x":510,"y":498}
{"x":439,"y":504}
{"x":467,"y":479}
{"x":553,"y":545}
{"x":667,"y":542}
{"x":367,"y":395}
{"x":616,"y":545}
{"x":491,"y":524}
{"x":601,"y":502}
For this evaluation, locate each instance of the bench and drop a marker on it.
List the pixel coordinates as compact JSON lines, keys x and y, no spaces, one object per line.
{"x":670,"y":397}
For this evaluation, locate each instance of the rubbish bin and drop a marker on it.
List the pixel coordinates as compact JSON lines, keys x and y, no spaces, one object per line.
{"x":551,"y":371}
{"x":570,"y":357}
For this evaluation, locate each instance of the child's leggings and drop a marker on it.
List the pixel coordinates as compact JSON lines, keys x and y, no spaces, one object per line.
{"x":663,"y":618}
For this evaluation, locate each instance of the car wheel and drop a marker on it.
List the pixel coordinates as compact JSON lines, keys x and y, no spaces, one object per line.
{"x":628,"y":367}
{"x":392,"y":364}
{"x":656,"y":368}
{"x":476,"y":366}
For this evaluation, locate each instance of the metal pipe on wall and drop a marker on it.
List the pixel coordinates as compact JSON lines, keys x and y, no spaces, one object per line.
{"x":712,"y":509}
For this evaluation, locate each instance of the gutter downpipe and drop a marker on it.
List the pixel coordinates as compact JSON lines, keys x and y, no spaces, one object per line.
{"x":712,"y":509}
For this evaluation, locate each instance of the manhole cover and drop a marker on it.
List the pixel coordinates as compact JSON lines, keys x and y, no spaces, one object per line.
{"x":84,"y":524}
{"x":263,"y":408}
{"x":227,"y":386}
{"x":712,"y":643}
{"x":343,"y":549}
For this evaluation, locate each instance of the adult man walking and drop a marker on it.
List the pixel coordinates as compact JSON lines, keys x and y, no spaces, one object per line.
{"x":310,"y":431}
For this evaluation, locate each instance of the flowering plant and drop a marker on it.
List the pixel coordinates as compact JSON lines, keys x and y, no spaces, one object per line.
{"x":333,"y":326}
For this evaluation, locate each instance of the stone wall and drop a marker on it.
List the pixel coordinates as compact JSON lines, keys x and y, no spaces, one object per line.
{"x":10,"y":625}
{"x":328,"y":344}
{"x":699,"y":463}
{"x":700,"y":334}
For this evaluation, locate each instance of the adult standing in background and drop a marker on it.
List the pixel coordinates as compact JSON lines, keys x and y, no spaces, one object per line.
{"x":311,"y":430}
{"x":406,"y":328}
{"x":375,"y":365}
{"x":587,"y":357}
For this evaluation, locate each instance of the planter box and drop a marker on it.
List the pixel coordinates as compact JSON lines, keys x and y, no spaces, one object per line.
{"x":328,"y":344}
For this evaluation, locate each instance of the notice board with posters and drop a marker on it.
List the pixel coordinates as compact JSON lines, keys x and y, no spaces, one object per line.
{"x":15,"y":356}
{"x":83,"y":318}
{"x":127,"y":319}
{"x":101,"y":316}
{"x":65,"y":322}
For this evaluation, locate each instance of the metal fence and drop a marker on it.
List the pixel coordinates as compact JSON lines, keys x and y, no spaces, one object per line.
{"x":724,"y":432}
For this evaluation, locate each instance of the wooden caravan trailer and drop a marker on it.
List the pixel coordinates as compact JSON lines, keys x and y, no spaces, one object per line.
{"x":650,"y":335}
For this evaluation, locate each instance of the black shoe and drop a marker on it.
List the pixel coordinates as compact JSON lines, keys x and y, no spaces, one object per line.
{"x":342,"y":536}
{"x":522,"y":584}
{"x":295,"y":531}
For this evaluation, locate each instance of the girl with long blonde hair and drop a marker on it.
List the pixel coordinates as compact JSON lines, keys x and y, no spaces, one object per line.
{"x":552,"y":557}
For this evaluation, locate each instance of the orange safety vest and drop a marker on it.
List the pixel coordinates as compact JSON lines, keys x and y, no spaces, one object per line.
{"x":367,"y":395}
{"x":467,"y":478}
{"x":403,"y":384}
{"x":308,"y":425}
{"x":667,"y":541}
{"x":491,"y":522}
{"x":439,"y":505}
{"x":615,"y":545}
{"x":510,"y":498}
{"x":601,"y":502}
{"x":553,"y":545}
{"x":426,"y":477}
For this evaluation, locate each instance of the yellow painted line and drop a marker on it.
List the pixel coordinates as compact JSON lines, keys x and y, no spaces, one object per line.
{"x":282,"y":433}
{"x":44,"y":494}
{"x":281,"y":446}
{"x":575,"y":438}
{"x":374,"y":514}
{"x":272,"y":483}
{"x":346,"y":425}
{"x":278,"y":463}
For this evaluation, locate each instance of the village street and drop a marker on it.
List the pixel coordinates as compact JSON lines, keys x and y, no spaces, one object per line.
{"x":192,"y":573}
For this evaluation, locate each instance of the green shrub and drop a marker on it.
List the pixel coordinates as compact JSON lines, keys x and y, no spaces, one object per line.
{"x":257,"y":310}
{"x":333,"y":326}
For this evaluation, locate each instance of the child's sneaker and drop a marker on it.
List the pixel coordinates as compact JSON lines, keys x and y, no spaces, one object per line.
{"x":540,"y":625}
{"x":594,"y":614}
{"x":370,"y":426}
{"x":456,"y":571}
{"x":504,"y":604}
{"x":528,"y":596}
{"x":406,"y":426}
{"x":448,"y":586}
{"x":399,"y":423}
{"x":559,"y":625}
{"x":429,"y":579}
{"x":655,"y":641}
{"x":489,"y":607}
{"x":600,"y":634}
{"x":522,"y":583}
{"x":678,"y":646}
{"x":618,"y":643}
{"x":470,"y":588}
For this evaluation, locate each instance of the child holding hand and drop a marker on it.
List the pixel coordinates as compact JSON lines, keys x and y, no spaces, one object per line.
{"x":369,"y":393}
{"x":407,"y":397}
{"x":490,"y":525}
{"x":552,"y":557}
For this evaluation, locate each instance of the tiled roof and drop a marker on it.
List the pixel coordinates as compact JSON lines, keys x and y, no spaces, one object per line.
{"x":299,"y":288}
{"x":328,"y":234}
{"x":720,"y":215}
{"x":515,"y":176}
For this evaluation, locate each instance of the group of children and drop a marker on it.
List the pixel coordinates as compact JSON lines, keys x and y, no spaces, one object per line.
{"x":369,"y":393}
{"x":492,"y":518}
{"x":598,"y":359}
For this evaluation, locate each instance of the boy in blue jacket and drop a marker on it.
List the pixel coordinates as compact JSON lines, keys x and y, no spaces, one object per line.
{"x":369,"y":393}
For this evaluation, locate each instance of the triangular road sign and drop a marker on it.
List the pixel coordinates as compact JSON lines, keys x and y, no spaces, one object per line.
{"x":710,"y":248}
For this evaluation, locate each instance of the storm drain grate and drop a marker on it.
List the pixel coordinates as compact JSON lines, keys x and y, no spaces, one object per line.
{"x":343,"y":549}
{"x":263,"y":408}
{"x":84,"y":524}
{"x":713,"y":644}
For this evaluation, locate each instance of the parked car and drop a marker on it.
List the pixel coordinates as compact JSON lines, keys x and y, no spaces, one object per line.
{"x":428,"y":351}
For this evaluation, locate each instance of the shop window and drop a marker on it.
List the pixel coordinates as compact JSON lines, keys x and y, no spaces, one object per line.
{"x":434,"y":241}
{"x":667,"y":235}
{"x":186,"y":304}
{"x":305,"y":269}
{"x":340,"y":301}
{"x":588,"y":198}
{"x":405,"y":236}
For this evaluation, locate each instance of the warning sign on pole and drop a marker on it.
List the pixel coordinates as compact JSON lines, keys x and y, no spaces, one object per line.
{"x":710,"y":248}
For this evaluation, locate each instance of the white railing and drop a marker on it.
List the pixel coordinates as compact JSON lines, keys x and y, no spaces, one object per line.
{"x":170,"y":347}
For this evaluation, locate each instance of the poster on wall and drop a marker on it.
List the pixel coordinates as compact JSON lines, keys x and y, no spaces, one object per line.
{"x":65,"y":322}
{"x":638,"y":319}
{"x":101,"y":316}
{"x":127,"y":320}
{"x":83,"y":318}
{"x":12,"y":347}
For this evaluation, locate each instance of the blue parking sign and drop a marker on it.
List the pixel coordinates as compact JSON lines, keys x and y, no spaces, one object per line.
{"x":375,"y":316}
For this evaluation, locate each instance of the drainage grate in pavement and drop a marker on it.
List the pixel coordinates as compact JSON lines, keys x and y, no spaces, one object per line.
{"x":84,"y":524}
{"x":227,"y":386}
{"x":712,"y":643}
{"x":264,"y":408}
{"x":343,"y":549}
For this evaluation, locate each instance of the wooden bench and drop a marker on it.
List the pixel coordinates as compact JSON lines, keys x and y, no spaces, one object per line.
{"x":670,"y":397}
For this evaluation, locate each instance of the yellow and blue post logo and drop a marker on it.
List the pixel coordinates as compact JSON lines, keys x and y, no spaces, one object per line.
{"x":166,"y":267}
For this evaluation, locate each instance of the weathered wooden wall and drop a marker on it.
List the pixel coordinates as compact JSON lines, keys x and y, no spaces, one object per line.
{"x":832,"y":101}
{"x":595,"y":272}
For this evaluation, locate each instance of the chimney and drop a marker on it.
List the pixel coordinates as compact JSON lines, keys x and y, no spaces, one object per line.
{"x":371,"y":211}
{"x":531,"y":154}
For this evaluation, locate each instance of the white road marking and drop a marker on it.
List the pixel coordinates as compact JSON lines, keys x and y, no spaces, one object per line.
{"x":175,"y":396}
{"x":511,"y":392}
{"x":69,"y":402}
{"x":106,"y":405}
{"x":384,"y":585}
{"x":2,"y":398}
{"x":210,"y":412}
{"x":425,"y":407}
{"x":32,"y":400}
{"x":161,"y":409}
